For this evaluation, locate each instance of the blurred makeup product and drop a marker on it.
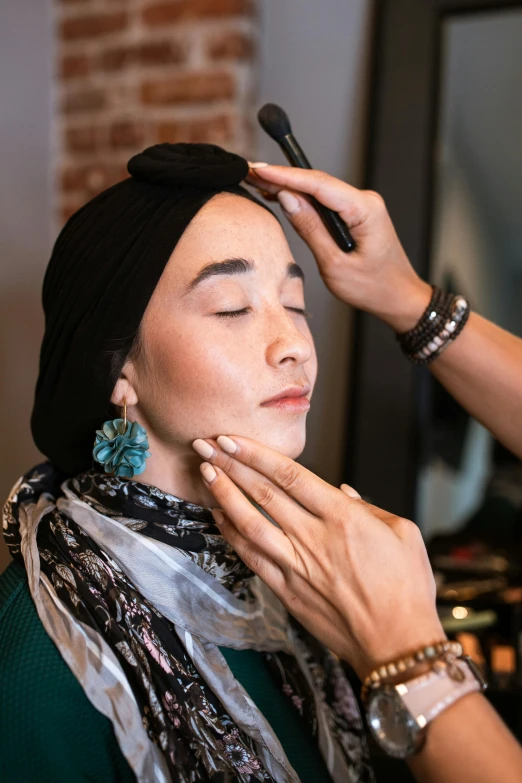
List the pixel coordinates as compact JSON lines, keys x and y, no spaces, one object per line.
{"x":512,"y":595}
{"x":274,"y":120}
{"x":519,"y":657}
{"x":503,"y":664}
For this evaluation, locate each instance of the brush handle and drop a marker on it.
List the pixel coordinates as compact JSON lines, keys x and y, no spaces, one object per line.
{"x":335,"y":224}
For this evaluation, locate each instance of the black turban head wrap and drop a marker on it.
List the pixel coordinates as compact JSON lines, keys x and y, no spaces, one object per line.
{"x":102,"y":273}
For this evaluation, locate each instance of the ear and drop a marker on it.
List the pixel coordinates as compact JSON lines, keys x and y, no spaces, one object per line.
{"x":124,"y":388}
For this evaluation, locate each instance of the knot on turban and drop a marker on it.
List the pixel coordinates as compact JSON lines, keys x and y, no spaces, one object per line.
{"x":201,"y":166}
{"x":103,"y":270}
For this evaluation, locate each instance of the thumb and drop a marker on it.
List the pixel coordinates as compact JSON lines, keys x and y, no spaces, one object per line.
{"x":308,"y":224}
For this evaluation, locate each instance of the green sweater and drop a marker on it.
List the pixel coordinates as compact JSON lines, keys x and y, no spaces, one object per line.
{"x":49,"y":730}
{"x":51,"y":733}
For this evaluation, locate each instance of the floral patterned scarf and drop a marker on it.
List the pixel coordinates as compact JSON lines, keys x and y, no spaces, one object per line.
{"x":138,"y":590}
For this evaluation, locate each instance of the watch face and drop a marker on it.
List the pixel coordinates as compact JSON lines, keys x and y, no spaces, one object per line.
{"x":392,"y":725}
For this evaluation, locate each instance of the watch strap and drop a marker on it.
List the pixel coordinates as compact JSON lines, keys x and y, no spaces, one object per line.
{"x":428,"y":695}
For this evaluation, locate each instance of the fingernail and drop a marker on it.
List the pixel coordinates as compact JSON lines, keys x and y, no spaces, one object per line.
{"x":203,"y":448}
{"x":288,"y":201}
{"x":227,"y":444}
{"x":350,"y":491}
{"x":218,"y":515}
{"x":258,"y":165}
{"x":208,"y":472}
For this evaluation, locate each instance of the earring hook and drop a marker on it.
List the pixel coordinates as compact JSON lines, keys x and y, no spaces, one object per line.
{"x":124,"y":414}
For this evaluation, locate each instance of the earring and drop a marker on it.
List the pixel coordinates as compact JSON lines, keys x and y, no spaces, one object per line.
{"x":121,"y":446}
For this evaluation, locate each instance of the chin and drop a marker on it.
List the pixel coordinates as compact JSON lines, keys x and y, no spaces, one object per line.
{"x":290,"y":443}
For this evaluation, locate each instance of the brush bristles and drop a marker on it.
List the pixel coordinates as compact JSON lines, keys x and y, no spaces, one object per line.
{"x":274,"y":121}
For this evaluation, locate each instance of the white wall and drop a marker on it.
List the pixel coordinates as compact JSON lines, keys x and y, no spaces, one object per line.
{"x":314,"y":64}
{"x":25,"y":221}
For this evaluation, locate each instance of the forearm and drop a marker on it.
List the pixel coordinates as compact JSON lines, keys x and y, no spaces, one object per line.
{"x":468,"y":743}
{"x":482,"y":369}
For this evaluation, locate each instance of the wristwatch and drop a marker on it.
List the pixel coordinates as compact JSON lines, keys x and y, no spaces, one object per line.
{"x":399,"y":714}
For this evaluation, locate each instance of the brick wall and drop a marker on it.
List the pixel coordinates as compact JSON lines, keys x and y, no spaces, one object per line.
{"x":131,"y":73}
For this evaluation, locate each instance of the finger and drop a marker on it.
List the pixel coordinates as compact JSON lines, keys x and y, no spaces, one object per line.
{"x":257,"y":560}
{"x":314,"y":494}
{"x":265,"y":536}
{"x":306,"y":221}
{"x":350,"y":491}
{"x":300,"y":601}
{"x":295,"y":592}
{"x":289,"y":514}
{"x":260,"y":184}
{"x":277,"y":578}
{"x":335,"y":194}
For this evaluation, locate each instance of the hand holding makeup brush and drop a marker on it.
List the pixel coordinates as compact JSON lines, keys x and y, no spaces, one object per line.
{"x":482,"y":370}
{"x":377,"y":276}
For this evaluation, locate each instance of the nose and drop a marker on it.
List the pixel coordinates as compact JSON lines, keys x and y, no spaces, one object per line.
{"x":287,"y":343}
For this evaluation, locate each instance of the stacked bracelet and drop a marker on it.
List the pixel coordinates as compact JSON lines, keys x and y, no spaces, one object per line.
{"x":431,"y":653}
{"x":441,"y":322}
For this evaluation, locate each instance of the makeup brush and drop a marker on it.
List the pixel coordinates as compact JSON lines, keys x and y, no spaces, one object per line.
{"x":274,"y":120}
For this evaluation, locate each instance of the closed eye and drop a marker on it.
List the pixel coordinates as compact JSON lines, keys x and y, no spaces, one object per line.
{"x":232,"y":313}
{"x":244,"y":311}
{"x":300,"y":311}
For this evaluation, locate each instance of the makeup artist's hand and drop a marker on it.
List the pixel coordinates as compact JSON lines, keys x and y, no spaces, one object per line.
{"x":359,"y":580}
{"x":357,"y":577}
{"x":377,"y":276}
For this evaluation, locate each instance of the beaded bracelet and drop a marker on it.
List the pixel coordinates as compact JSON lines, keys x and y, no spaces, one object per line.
{"x":449,"y":332}
{"x":430,"y":322}
{"x":431,"y":653}
{"x":439,"y":325}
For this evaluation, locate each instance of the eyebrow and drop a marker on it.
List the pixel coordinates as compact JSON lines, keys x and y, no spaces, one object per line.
{"x":237,"y":266}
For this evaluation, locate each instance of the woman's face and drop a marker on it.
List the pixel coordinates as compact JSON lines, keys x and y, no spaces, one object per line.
{"x":225,"y":332}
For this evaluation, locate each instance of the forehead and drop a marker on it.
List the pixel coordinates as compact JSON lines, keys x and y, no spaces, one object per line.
{"x":230,"y":226}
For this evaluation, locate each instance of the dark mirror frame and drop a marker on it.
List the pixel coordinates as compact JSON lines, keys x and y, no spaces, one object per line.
{"x":388,"y":397}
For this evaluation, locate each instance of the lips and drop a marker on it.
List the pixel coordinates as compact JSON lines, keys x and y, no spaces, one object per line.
{"x":291,"y":395}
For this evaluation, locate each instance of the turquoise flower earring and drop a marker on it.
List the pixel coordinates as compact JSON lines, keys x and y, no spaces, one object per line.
{"x":121,"y":446}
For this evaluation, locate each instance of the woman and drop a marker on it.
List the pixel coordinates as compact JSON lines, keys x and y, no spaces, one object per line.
{"x":173,"y":297}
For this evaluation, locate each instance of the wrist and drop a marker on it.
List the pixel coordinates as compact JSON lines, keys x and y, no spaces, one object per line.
{"x":403,"y":644}
{"x":412,"y":665}
{"x":412,"y":303}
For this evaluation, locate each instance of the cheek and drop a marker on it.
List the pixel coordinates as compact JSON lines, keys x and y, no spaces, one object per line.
{"x":200,"y":381}
{"x":197,"y":377}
